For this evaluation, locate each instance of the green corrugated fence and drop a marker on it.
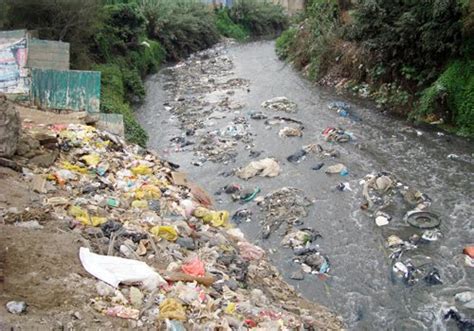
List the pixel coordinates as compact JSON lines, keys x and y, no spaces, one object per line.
{"x":66,"y":89}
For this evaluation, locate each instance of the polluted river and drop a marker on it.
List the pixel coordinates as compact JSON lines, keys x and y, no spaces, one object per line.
{"x":368,"y":218}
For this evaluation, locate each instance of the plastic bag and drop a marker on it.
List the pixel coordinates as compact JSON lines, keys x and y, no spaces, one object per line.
{"x":115,"y":270}
{"x":141,"y":170}
{"x":148,"y":192}
{"x":165,"y":231}
{"x":250,"y":252}
{"x":194,"y":267}
{"x":91,"y":159}
{"x":216,"y":218}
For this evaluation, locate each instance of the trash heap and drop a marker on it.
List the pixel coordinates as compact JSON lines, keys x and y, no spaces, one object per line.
{"x":162,"y":256}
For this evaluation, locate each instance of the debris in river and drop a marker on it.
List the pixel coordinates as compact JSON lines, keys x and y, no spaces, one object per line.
{"x":422,"y":219}
{"x":336,"y":135}
{"x":286,"y":205}
{"x":263,"y":168}
{"x":280,"y":104}
{"x":290,"y":132}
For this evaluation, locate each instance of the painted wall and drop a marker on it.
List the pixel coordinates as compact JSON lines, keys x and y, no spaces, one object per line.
{"x":13,"y":58}
{"x":66,"y":89}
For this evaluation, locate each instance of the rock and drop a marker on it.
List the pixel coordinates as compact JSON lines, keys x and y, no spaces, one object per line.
{"x":104,"y":290}
{"x":381,"y":220}
{"x":306,"y":268}
{"x":231,"y":284}
{"x":16,"y":307}
{"x":187,"y":243}
{"x":335,"y":169}
{"x":394,"y":240}
{"x":466,"y":298}
{"x":297,"y":275}
{"x":383,"y":183}
{"x":315,"y":261}
{"x":45,"y":160}
{"x":77,"y":315}
{"x":136,"y":297}
{"x":9,"y":128}
{"x":47,"y":140}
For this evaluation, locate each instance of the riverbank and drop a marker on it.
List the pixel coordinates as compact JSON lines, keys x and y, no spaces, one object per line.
{"x":415,"y":62}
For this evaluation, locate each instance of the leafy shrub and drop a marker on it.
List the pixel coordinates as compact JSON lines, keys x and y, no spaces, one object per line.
{"x":310,"y":45}
{"x":285,"y":42}
{"x":417,"y":34}
{"x":113,"y":101}
{"x":452,"y":91}
{"x":181,"y":27}
{"x":259,"y":18}
{"x":228,"y":28}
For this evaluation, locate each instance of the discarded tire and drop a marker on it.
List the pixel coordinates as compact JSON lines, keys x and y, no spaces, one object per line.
{"x":423,"y":220}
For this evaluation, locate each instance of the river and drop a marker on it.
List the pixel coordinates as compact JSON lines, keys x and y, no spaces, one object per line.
{"x":361,"y":286}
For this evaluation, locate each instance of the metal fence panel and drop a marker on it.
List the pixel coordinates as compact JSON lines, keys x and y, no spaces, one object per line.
{"x":67,"y":89}
{"x":48,"y":54}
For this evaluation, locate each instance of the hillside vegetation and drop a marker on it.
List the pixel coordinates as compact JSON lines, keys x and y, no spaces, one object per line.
{"x":414,"y":57}
{"x":128,"y":39}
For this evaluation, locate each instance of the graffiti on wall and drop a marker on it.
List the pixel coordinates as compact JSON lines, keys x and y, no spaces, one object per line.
{"x":13,"y":74}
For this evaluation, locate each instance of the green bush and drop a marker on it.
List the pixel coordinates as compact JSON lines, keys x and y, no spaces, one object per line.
{"x":452,"y":91}
{"x":416,"y":34}
{"x":228,"y":28}
{"x":259,"y":18}
{"x":285,"y":42}
{"x":182,"y":27}
{"x":113,"y":101}
{"x":310,"y":44}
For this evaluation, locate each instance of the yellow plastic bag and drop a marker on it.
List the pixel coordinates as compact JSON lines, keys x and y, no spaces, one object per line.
{"x":216,"y":218}
{"x":230,"y":309}
{"x":68,"y":166}
{"x":165,"y":231}
{"x":91,"y":159}
{"x":172,"y":309}
{"x":148,"y":192}
{"x":140,"y":204}
{"x":141,"y":170}
{"x":82,"y":216}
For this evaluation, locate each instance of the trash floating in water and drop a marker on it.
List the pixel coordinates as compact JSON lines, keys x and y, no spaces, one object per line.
{"x":280,"y":104}
{"x":263,"y":168}
{"x":422,"y":219}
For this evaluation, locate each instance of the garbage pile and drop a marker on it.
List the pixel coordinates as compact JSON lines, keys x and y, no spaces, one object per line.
{"x":161,"y":255}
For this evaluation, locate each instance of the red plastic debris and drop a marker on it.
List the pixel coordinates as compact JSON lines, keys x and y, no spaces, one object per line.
{"x":194,"y":267}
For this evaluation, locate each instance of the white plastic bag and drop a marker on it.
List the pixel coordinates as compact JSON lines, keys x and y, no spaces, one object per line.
{"x":115,"y":270}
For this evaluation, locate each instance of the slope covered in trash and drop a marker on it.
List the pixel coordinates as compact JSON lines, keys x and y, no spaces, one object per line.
{"x":161,"y":255}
